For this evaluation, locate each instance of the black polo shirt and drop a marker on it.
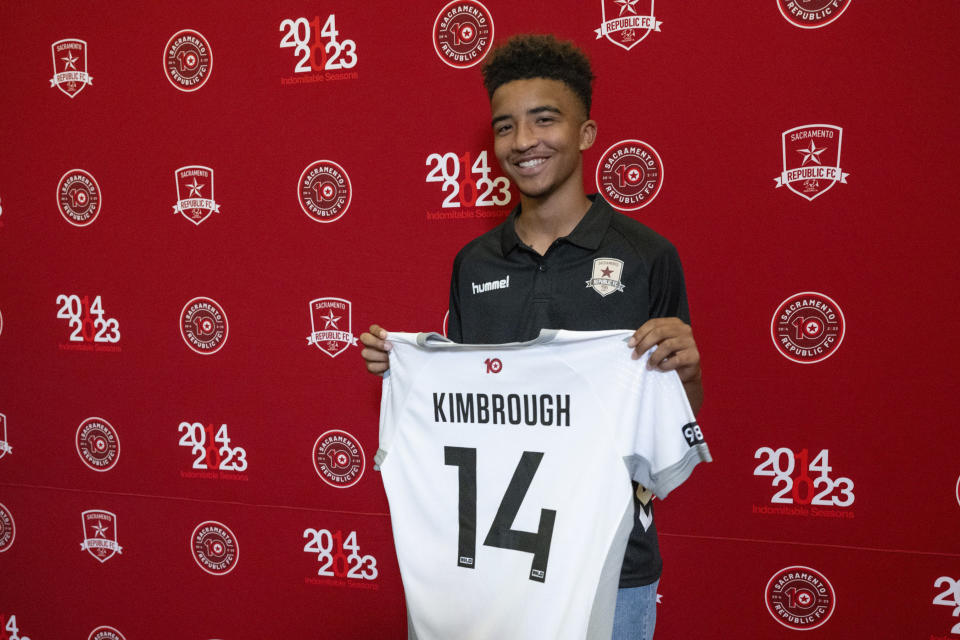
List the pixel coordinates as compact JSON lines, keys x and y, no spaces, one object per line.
{"x":611,"y":272}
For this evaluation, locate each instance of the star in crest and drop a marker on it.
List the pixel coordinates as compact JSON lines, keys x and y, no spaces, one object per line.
{"x":330,"y":320}
{"x":70,"y":62}
{"x":195,"y":188}
{"x":626,"y":5}
{"x":811,"y":154}
{"x":99,"y":528}
{"x":606,"y":271}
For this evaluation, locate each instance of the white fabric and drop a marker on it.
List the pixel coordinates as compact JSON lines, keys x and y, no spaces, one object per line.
{"x":622,"y":419}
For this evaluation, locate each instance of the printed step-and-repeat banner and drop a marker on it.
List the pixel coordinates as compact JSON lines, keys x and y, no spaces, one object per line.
{"x":202,"y":206}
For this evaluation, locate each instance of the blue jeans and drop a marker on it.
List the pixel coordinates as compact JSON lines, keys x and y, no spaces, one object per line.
{"x":636,"y":613}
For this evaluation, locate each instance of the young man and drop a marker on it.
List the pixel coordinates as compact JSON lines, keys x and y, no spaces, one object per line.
{"x":540,"y":92}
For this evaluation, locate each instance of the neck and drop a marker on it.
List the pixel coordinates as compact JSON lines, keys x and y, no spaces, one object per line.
{"x":545,"y":218}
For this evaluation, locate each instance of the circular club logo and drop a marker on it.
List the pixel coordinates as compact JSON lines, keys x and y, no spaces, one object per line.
{"x":105,"y":633}
{"x":800,"y":598}
{"x":203,"y":325}
{"x":630,"y":174}
{"x":807,"y":327}
{"x":187,"y":60}
{"x":78,"y":197}
{"x":463,"y":33}
{"x":8,"y":530}
{"x":98,"y":444}
{"x":812,"y":14}
{"x":338,"y":458}
{"x":215,"y":548}
{"x":324,"y":191}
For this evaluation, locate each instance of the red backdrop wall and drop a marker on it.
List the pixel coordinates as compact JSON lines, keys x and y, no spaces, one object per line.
{"x":842,"y":461}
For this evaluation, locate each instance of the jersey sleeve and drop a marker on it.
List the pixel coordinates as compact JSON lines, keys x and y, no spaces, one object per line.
{"x":668,"y":442}
{"x":387,"y":423}
{"x":668,"y":292}
{"x":454,"y":330}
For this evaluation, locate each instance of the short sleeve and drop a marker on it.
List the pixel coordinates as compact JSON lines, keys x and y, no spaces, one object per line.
{"x":668,"y":442}
{"x":668,"y":293}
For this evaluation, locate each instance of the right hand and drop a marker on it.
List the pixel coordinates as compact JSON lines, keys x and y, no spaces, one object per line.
{"x":376,"y":350}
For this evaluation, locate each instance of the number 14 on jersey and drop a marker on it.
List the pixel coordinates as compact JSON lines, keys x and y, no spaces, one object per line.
{"x":501,"y":534}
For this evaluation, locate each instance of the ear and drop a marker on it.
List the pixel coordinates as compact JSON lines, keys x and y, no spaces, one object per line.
{"x":588,"y":133}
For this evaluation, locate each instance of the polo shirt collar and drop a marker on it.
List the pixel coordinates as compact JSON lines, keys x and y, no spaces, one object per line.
{"x":588,"y":233}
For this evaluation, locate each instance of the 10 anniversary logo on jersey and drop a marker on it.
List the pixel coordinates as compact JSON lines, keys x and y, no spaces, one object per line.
{"x":78,"y":197}
{"x":338,"y":458}
{"x":812,"y":14}
{"x":630,"y":174}
{"x":623,"y":25}
{"x":800,"y":598}
{"x":807,"y":327}
{"x":70,"y":66}
{"x":324,"y":191}
{"x":195,"y":193}
{"x":214,"y":548}
{"x":811,"y":160}
{"x":187,"y":60}
{"x":203,"y":325}
{"x":463,"y":33}
{"x":97,"y":444}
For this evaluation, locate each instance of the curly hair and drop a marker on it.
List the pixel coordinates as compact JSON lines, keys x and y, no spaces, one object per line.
{"x":539,"y":56}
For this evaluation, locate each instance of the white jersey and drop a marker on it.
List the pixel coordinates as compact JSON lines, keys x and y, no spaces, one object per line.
{"x":508,"y":468}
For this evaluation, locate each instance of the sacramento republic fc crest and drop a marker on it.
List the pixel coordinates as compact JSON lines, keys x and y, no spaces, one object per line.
{"x":78,"y":197}
{"x":807,"y":327}
{"x":214,"y":548}
{"x":98,"y":444}
{"x":800,"y":598}
{"x":812,"y":14}
{"x":324,"y":191}
{"x":195,"y":193}
{"x":463,"y":33}
{"x":100,"y":534}
{"x":5,"y":447}
{"x":203,"y":325}
{"x":332,"y":325}
{"x":630,"y":174}
{"x":8,"y":530}
{"x":625,"y":23}
{"x":70,"y":66}
{"x":105,"y":633}
{"x":606,"y":276}
{"x":338,"y":458}
{"x":811,"y":160}
{"x":188,"y":60}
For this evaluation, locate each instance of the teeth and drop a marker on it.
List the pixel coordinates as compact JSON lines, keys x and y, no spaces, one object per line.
{"x":532,"y":163}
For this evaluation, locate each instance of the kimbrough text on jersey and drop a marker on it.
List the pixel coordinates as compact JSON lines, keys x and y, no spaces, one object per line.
{"x":494,"y":408}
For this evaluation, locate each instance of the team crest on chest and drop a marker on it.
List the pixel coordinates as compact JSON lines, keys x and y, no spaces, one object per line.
{"x":606,"y":276}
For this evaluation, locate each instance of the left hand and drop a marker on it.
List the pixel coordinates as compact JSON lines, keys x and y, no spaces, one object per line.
{"x":676,"y":349}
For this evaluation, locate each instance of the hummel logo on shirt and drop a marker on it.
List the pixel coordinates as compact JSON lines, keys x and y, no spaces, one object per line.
{"x":483,"y":287}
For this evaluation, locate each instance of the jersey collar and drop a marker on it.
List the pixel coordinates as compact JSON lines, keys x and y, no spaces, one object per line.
{"x":588,"y":233}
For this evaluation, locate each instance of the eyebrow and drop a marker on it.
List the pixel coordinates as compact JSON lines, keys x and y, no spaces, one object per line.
{"x":531,"y":112}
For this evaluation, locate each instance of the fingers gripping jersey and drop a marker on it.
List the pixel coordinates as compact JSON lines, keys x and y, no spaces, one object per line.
{"x":508,"y":469}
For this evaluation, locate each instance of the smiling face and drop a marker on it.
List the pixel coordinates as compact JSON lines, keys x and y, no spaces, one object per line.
{"x":540,"y":129}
